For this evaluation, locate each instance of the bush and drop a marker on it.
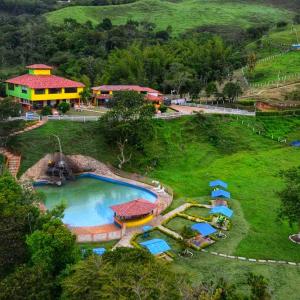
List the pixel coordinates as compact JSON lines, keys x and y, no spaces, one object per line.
{"x":295,"y":112}
{"x":281,"y":24}
{"x":163,"y":108}
{"x":46,"y":111}
{"x":63,"y":107}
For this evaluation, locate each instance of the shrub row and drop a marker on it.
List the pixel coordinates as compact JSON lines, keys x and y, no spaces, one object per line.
{"x":278,"y":113}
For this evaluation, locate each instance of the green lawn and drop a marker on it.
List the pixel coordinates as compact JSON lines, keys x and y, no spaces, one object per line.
{"x":107,"y":245}
{"x":197,"y":211}
{"x":178,"y":223}
{"x":285,"y":65}
{"x":186,"y":160}
{"x":181,"y":15}
{"x":284,"y":280}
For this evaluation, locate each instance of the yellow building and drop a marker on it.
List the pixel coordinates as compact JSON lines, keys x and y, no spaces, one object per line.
{"x":39,"y":88}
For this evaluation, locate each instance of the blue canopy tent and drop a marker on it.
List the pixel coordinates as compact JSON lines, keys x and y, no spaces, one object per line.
{"x":295,"y":143}
{"x":296,"y":47}
{"x":218,"y":183}
{"x":99,"y":251}
{"x":223,"y":210}
{"x":204,"y":229}
{"x":220,"y":194}
{"x":156,"y":246}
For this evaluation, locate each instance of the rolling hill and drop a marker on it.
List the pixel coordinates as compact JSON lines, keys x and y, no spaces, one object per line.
{"x":181,"y":15}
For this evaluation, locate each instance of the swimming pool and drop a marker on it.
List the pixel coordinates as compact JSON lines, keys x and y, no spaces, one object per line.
{"x":89,"y":197}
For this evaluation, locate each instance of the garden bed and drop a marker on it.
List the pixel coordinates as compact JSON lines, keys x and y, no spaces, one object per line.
{"x":177,"y":224}
{"x":197,"y":211}
{"x":157,"y":234}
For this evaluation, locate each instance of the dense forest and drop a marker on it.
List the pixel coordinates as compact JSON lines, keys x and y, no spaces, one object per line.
{"x":134,"y":53}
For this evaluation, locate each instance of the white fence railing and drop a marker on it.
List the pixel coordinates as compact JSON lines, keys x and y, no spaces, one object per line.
{"x":73,"y":118}
{"x":31,"y":118}
{"x":221,"y":109}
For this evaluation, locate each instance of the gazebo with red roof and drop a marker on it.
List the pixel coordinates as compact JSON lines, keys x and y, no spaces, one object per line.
{"x":133,"y":213}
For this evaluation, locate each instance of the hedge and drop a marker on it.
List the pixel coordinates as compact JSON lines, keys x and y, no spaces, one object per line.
{"x":278,"y":113}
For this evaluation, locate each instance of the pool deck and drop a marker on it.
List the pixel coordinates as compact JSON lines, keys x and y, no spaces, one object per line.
{"x":92,"y":166}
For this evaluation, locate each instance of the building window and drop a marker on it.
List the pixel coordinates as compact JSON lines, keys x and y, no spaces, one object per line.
{"x":11,"y":86}
{"x":39,"y":91}
{"x":70,"y":90}
{"x":23,"y":89}
{"x":54,"y":91}
{"x":104,"y":92}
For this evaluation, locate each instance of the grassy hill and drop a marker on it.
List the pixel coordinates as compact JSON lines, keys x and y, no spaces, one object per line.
{"x":275,"y":41}
{"x":186,"y":158}
{"x":286,"y":65}
{"x":181,"y":15}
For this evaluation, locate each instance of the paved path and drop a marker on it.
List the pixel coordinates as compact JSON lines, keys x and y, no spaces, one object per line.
{"x":209,"y":109}
{"x":14,"y":160}
{"x":29,"y":128}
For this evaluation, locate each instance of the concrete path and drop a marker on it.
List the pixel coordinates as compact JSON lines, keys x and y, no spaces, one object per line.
{"x":209,"y":109}
{"x":168,"y":231}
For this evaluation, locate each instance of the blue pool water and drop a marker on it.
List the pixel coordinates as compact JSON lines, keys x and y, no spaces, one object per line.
{"x":88,"y":199}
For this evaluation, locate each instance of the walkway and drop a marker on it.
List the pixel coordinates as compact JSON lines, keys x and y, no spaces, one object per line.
{"x":29,"y":128}
{"x":209,"y":109}
{"x":14,"y":160}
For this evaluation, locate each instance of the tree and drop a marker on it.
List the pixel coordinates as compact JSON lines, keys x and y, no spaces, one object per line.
{"x":290,"y":199}
{"x":106,"y":24}
{"x":179,"y":78}
{"x":63,"y":107}
{"x":211,"y":89}
{"x":86,"y":95}
{"x":123,"y":273}
{"x":212,"y":290}
{"x":251,"y":62}
{"x":8,"y":108}
{"x":28,"y":282}
{"x":259,"y":287}
{"x":128,"y":125}
{"x":18,"y":217}
{"x":232,"y":91}
{"x":53,"y":246}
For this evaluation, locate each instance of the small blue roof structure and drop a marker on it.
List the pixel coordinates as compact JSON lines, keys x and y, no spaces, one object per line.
{"x":217,"y":183}
{"x":223,"y":210}
{"x":156,"y":246}
{"x":147,"y":228}
{"x":220,"y":193}
{"x":295,"y":143}
{"x":99,"y":251}
{"x":204,"y":229}
{"x":296,"y":46}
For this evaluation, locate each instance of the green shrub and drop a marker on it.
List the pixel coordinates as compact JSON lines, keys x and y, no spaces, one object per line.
{"x":163,"y":108}
{"x":46,"y":111}
{"x":63,"y":107}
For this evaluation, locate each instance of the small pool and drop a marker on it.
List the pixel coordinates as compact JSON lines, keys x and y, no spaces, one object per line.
{"x":88,"y":199}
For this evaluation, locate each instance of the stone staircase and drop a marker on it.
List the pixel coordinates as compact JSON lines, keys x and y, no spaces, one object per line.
{"x":14,"y":160}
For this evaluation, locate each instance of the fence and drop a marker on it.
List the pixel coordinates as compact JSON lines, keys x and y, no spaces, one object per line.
{"x":73,"y":118}
{"x":25,"y":118}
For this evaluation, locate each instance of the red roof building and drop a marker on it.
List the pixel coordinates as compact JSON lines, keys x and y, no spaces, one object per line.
{"x":39,"y":88}
{"x":133,"y":209}
{"x":103,"y":93}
